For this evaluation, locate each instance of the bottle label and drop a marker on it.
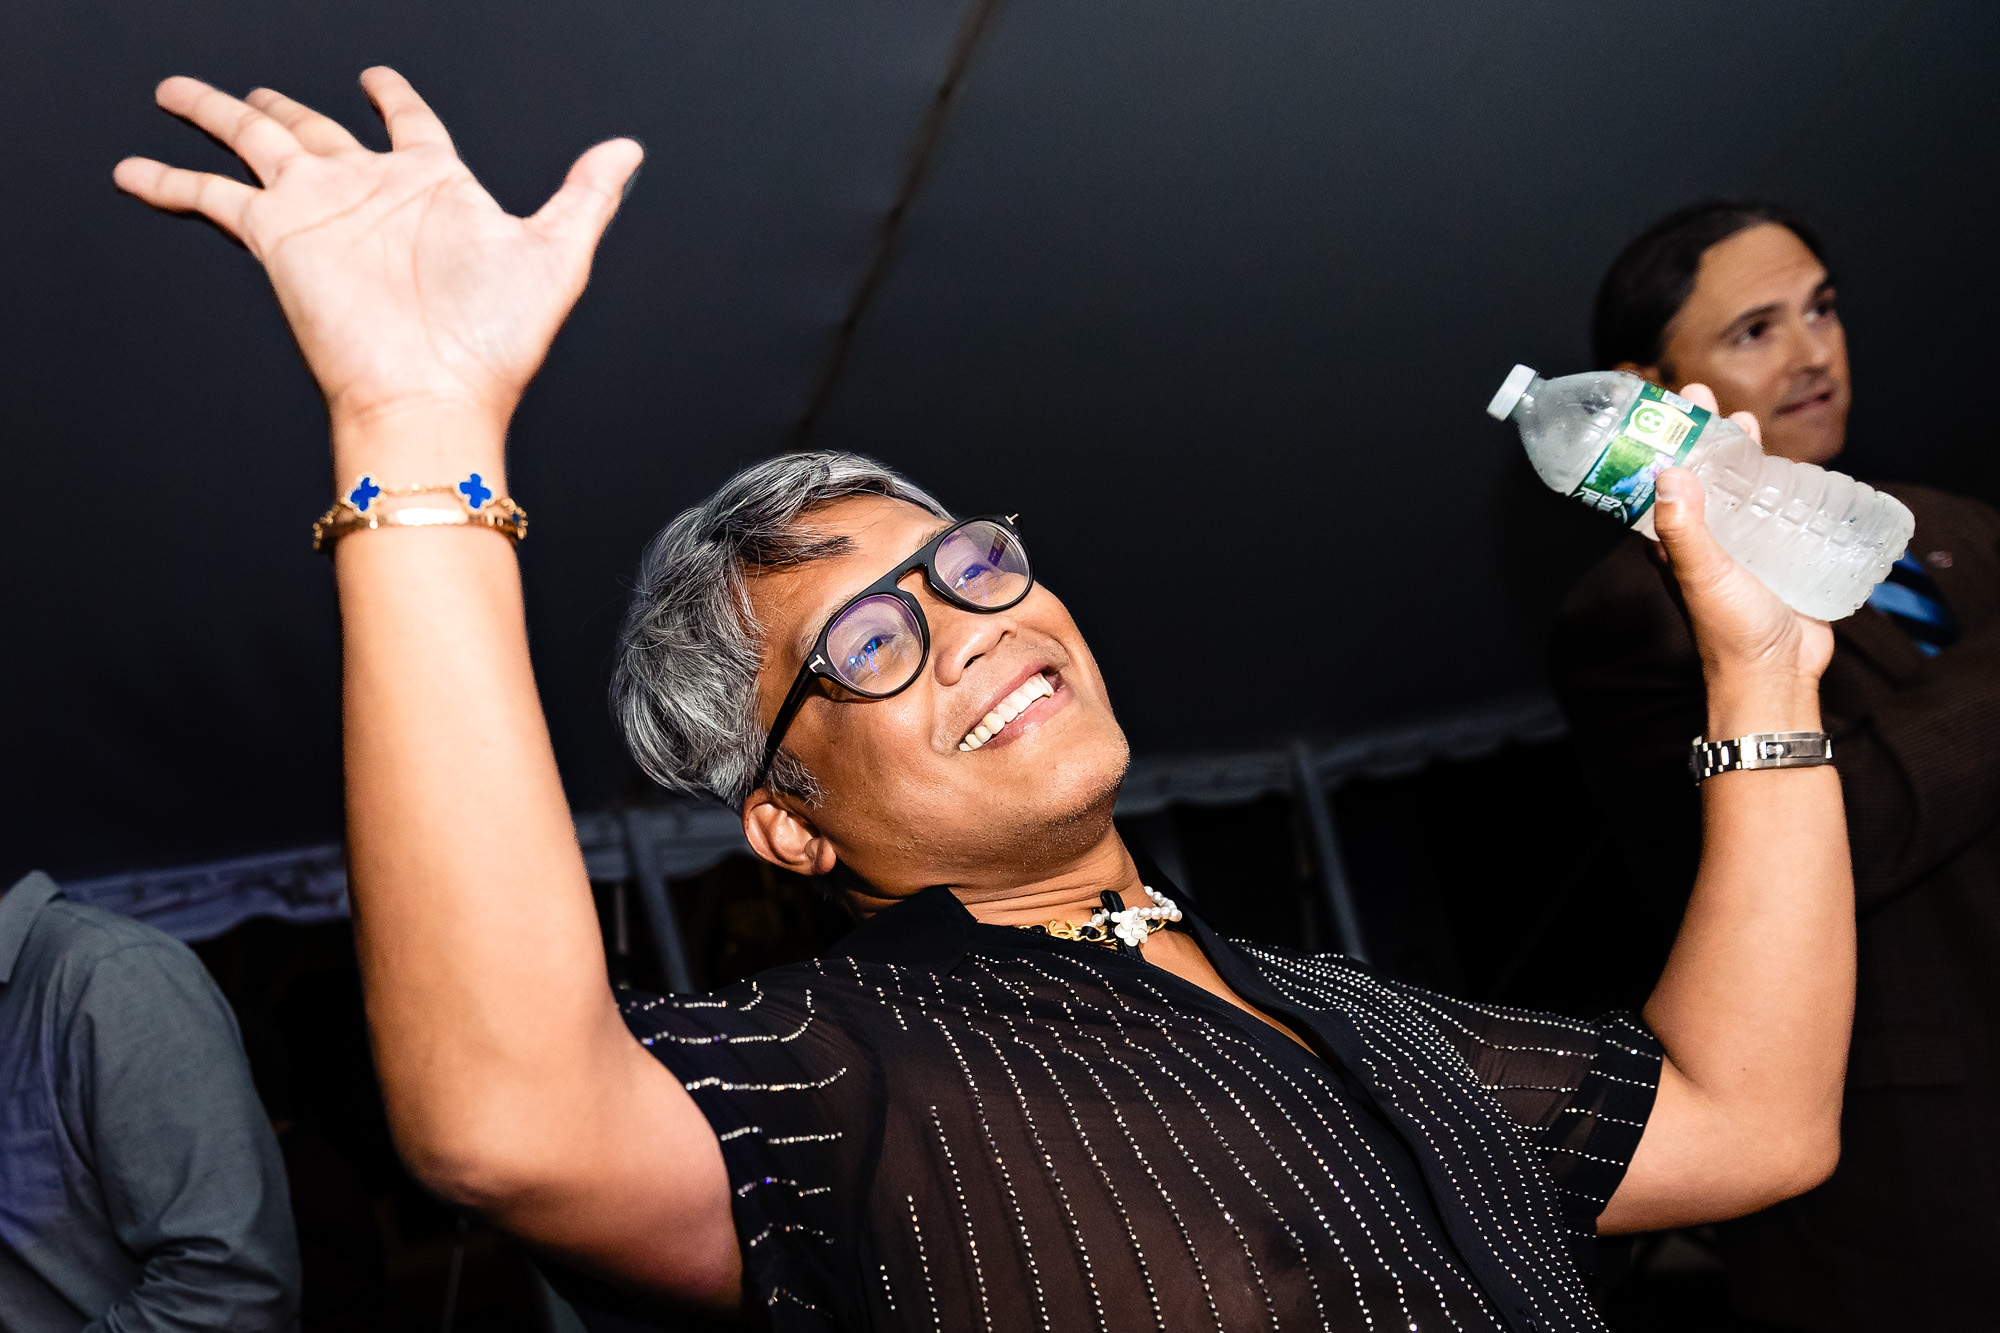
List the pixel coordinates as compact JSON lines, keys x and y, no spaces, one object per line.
{"x":1658,"y":431}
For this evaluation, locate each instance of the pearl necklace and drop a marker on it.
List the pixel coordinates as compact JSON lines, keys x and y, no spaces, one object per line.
{"x":1130,"y":927}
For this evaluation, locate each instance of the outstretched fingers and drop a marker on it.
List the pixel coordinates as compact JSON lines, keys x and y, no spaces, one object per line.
{"x":178,"y":190}
{"x":578,"y":213}
{"x":411,"y":122}
{"x":316,"y":132}
{"x":263,"y":144}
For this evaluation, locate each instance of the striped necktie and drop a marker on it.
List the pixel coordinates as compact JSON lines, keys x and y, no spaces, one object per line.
{"x":1912,"y":600}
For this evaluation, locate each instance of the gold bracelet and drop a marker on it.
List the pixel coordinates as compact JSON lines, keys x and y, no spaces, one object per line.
{"x":477,"y":506}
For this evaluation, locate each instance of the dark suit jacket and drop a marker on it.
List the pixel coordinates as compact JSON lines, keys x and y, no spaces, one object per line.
{"x":1906,"y":1235}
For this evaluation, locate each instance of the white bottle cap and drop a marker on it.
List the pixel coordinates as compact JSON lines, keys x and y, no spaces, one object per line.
{"x":1517,"y":382}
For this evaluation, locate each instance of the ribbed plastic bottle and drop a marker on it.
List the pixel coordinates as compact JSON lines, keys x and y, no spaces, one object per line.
{"x":1820,"y":540}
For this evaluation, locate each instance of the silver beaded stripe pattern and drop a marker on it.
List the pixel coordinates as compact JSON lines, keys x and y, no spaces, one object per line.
{"x":1414,"y":1068}
{"x":1229,"y":1090}
{"x":1078,"y":1001}
{"x":1112,"y":1056}
{"x":1116,"y":1045}
{"x":1613,"y":1037}
{"x":965,"y":1217}
{"x":1247,"y":1065}
{"x":992,"y":1148}
{"x":1192,"y":1255}
{"x":1427,"y":1075}
{"x":1088,"y":1063}
{"x":758,"y":1027}
{"x":980,"y":1017}
{"x":1617,"y":1041}
{"x":1358,"y":990}
{"x":1321,"y":1097}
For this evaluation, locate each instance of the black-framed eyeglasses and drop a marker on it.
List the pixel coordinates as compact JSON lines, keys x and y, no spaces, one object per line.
{"x":876,"y":644}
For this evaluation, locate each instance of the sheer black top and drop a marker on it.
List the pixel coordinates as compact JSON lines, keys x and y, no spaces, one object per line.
{"x":950,"y":1125}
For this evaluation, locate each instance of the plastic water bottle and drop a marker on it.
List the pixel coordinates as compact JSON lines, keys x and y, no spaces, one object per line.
{"x":1820,"y":540}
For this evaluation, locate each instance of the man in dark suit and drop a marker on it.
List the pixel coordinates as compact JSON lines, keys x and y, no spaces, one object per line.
{"x":1906,"y":1235}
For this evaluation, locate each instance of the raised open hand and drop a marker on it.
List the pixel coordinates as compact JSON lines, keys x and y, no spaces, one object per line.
{"x":406,"y":285}
{"x":1742,"y":628}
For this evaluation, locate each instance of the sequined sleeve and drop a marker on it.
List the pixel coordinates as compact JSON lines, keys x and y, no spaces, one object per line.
{"x":1582,"y":1088}
{"x":788,"y":1094}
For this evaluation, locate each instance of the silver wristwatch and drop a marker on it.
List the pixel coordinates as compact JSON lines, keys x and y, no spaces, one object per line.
{"x":1765,"y":749}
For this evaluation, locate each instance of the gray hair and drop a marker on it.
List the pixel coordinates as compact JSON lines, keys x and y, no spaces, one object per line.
{"x":685,"y":691}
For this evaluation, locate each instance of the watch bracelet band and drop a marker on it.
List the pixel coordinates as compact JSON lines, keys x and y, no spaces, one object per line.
{"x":1763,"y":749}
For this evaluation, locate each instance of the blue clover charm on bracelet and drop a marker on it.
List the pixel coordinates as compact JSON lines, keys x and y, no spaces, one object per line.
{"x":358,"y":509}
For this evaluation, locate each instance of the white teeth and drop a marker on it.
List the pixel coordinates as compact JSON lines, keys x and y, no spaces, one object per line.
{"x":1004,"y":712}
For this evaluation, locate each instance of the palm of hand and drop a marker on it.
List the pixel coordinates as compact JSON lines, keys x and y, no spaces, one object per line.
{"x":1738,"y":622}
{"x":404,"y":282}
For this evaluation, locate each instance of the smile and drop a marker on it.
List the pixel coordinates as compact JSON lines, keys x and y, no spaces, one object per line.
{"x":1033,"y":688}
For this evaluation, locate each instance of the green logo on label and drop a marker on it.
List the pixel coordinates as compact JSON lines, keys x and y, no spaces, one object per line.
{"x":1657,"y":433}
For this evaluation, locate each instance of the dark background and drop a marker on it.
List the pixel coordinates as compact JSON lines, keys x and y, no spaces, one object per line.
{"x":1211,"y":293}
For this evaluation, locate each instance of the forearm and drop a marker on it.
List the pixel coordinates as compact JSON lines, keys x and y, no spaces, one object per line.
{"x":1756,"y":1002}
{"x":512,"y":1083}
{"x":487,"y":993}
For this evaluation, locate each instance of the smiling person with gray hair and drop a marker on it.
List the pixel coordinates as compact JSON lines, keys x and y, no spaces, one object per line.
{"x":1028,"y":1090}
{"x":683,"y":691}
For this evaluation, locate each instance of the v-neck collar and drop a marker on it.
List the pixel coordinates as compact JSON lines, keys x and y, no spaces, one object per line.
{"x":933,"y":930}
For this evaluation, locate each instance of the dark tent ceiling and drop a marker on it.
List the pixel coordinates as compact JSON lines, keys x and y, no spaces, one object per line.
{"x":1212,"y":294}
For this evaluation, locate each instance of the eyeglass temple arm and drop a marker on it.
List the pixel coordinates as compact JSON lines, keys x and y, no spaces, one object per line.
{"x":801,"y":685}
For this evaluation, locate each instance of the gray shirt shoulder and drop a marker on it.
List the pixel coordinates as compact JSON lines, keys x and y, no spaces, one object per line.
{"x":141,"y":1186}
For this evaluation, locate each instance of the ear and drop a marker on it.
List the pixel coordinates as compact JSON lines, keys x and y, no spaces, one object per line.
{"x":786,"y":837}
{"x":1653,"y":373}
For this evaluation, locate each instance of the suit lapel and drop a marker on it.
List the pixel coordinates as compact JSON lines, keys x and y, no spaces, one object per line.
{"x":1876,"y":637}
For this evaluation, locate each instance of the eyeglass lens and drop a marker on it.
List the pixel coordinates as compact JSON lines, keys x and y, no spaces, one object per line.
{"x":876,"y":647}
{"x":983,"y":564}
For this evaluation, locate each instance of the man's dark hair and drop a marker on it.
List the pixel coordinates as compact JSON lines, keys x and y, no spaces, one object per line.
{"x":1649,"y":282}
